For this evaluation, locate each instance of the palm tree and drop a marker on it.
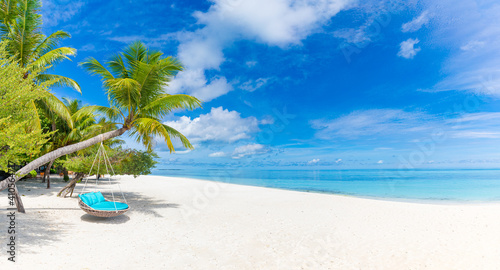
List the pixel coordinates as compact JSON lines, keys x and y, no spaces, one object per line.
{"x":20,"y":28}
{"x":84,"y":127}
{"x":135,"y":82}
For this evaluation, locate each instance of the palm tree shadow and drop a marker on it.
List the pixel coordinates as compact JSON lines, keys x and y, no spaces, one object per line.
{"x":146,"y":205}
{"x":34,"y":230}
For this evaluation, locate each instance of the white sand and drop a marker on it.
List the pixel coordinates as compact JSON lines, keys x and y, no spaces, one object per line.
{"x":191,"y":224}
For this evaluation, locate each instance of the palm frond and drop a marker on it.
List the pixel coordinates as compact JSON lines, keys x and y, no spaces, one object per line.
{"x":165,"y":103}
{"x":152,"y":127}
{"x":53,"y":106}
{"x":117,"y":66}
{"x":53,"y":57}
{"x":25,"y":31}
{"x":124,"y":91}
{"x":136,"y":51}
{"x":95,"y":68}
{"x":112,"y":113}
{"x":8,"y":12}
{"x":59,"y":81}
{"x":50,"y":42}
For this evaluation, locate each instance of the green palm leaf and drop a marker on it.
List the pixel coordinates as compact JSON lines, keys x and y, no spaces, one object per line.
{"x":51,"y":105}
{"x":53,"y":57}
{"x":59,"y":81}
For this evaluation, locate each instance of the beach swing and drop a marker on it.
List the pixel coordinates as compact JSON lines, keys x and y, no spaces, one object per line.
{"x":94,"y":203}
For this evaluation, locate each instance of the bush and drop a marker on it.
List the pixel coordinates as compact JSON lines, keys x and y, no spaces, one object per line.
{"x":32,"y":174}
{"x":66,"y":178}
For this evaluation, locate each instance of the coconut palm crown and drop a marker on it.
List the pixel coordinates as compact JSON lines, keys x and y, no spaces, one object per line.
{"x":135,"y":81}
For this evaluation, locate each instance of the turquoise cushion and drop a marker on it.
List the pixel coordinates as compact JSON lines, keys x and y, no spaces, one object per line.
{"x":91,"y":198}
{"x":85,"y":199}
{"x":110,"y":206}
{"x":99,"y":197}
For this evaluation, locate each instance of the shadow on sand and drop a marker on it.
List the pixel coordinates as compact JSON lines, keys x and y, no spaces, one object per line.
{"x":145,"y":204}
{"x":101,"y":220}
{"x":37,"y":228}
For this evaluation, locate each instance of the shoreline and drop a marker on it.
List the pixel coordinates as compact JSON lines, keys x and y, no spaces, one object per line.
{"x":390,"y":199}
{"x":182,"y":223}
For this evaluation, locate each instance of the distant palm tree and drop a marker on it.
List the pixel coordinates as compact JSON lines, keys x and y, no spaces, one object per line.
{"x":135,"y":82}
{"x":84,"y":126}
{"x":20,"y":28}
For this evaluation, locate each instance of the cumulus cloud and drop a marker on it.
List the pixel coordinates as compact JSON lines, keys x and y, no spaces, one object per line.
{"x":407,"y":48}
{"x":281,"y":23}
{"x":249,"y":150}
{"x":416,"y":23}
{"x":195,"y":80}
{"x":219,"y":125}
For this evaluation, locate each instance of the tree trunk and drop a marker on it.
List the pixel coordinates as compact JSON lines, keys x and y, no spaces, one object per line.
{"x":61,"y":152}
{"x":70,"y":186}
{"x":47,"y":172}
{"x":18,"y":201}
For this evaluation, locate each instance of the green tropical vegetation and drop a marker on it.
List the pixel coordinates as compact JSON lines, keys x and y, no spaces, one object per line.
{"x":18,"y":140}
{"x":40,"y":129}
{"x":125,"y":161}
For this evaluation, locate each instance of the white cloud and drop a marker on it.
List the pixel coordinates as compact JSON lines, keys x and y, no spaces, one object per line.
{"x":195,"y":80}
{"x":217,"y":154}
{"x":398,"y":124}
{"x":407,"y":48}
{"x":357,"y":36}
{"x":473,"y":42}
{"x":252,"y":85}
{"x":267,"y":120}
{"x":87,"y":47}
{"x":281,"y":23}
{"x":219,"y":125}
{"x":249,"y":150}
{"x":380,"y":162}
{"x":56,"y":11}
{"x":368,"y":123}
{"x":472,"y":45}
{"x":313,"y":161}
{"x":251,"y":64}
{"x":416,"y":23}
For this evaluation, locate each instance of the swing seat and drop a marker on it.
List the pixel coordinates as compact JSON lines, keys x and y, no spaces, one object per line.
{"x":95,"y":204}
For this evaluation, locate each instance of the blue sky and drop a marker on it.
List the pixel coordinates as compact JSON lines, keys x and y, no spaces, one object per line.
{"x":310,"y":84}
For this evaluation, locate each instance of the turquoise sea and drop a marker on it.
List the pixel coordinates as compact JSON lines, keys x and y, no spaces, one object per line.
{"x":444,"y":185}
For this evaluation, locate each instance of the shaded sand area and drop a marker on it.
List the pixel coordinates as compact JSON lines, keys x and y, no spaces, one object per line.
{"x":180,"y":223}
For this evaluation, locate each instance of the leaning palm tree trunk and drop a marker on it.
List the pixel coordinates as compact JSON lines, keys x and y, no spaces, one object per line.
{"x":56,"y":154}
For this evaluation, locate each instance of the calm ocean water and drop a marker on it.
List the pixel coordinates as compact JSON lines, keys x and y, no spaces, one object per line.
{"x":452,"y":185}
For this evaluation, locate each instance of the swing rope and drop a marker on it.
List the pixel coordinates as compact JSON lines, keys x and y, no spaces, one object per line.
{"x":101,"y":153}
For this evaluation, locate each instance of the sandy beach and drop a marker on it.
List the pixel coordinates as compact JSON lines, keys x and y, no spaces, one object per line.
{"x":178,"y":223}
